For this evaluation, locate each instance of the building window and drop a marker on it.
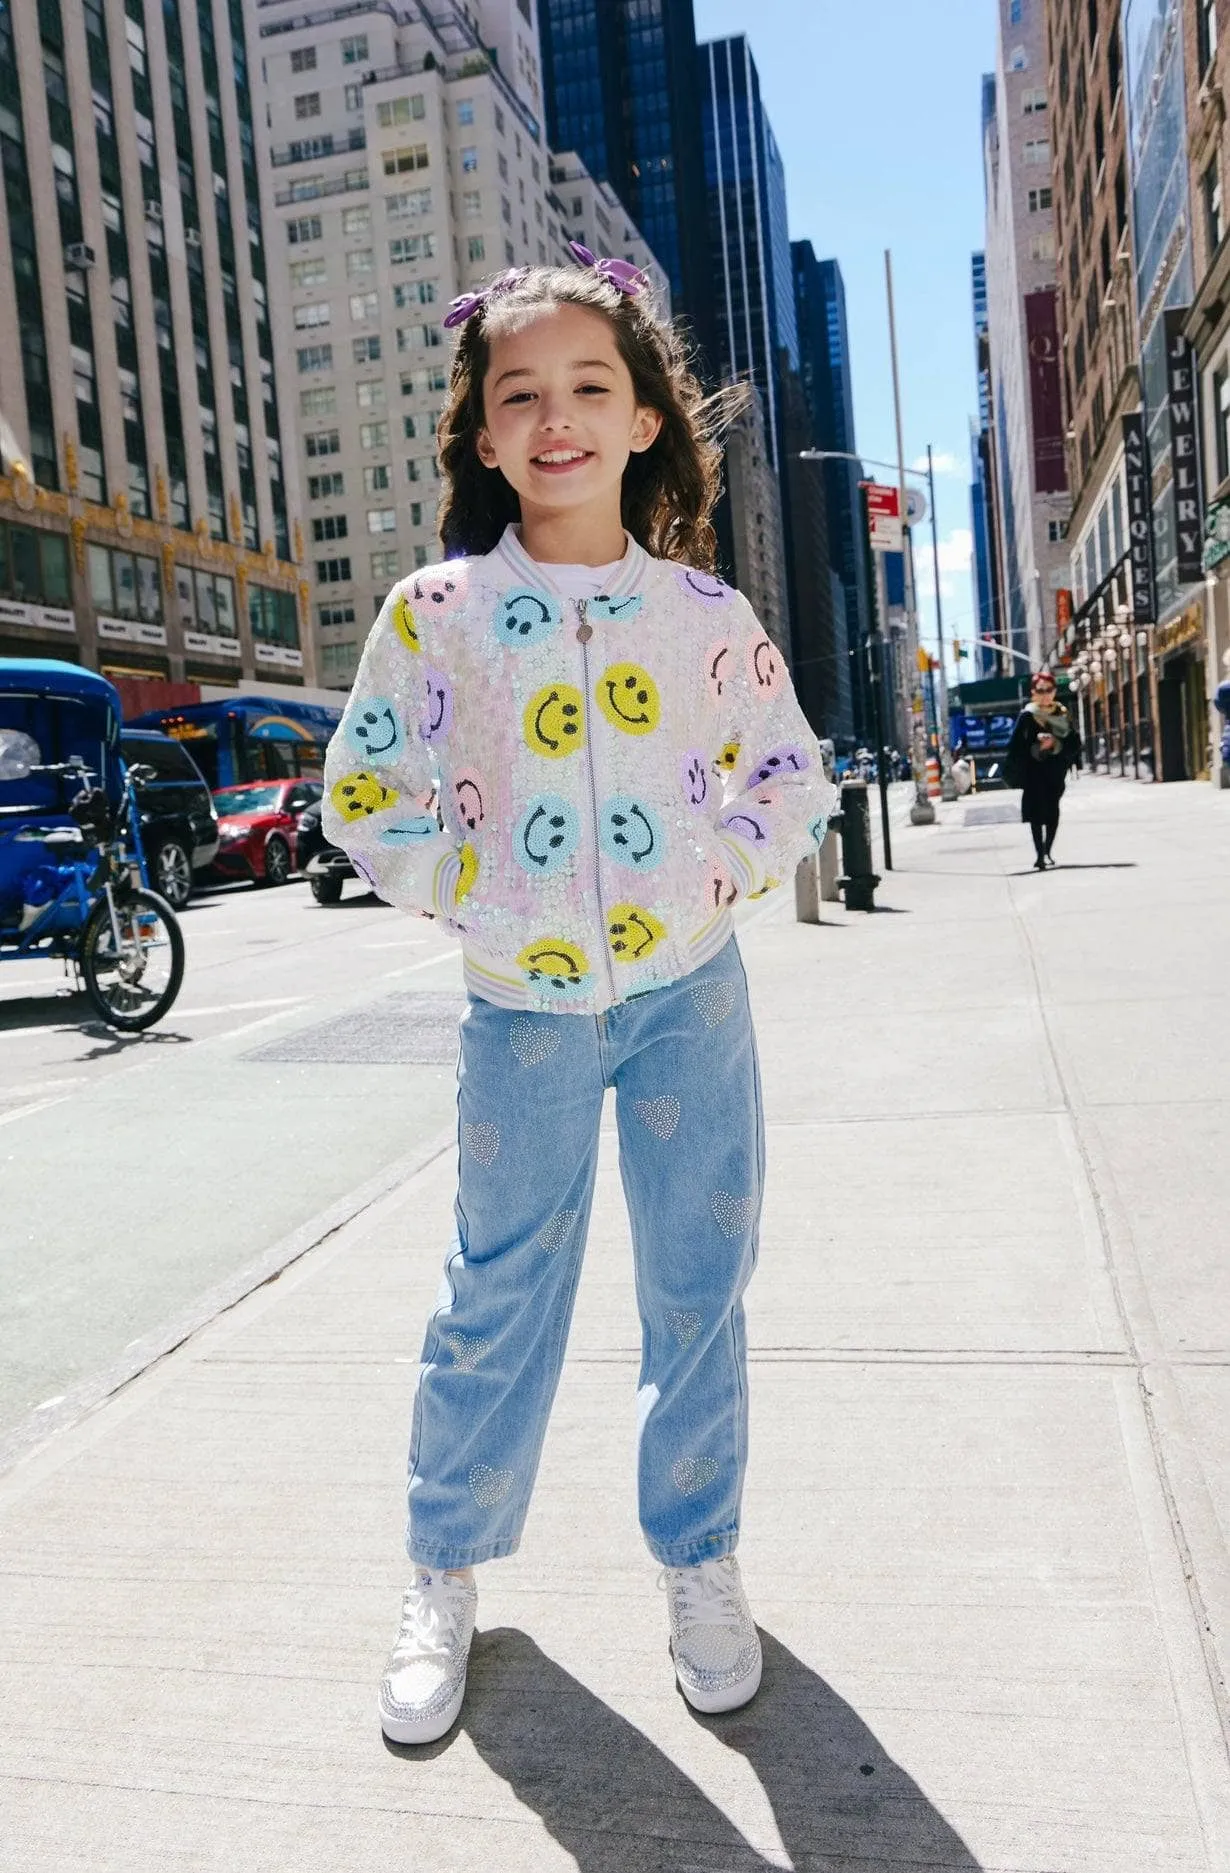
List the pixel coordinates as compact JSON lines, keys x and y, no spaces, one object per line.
{"x":316,"y":314}
{"x":307,"y":104}
{"x":356,"y":220}
{"x":1214,"y":224}
{"x":377,"y":480}
{"x":476,"y":247}
{"x":1033,"y":103}
{"x":414,"y":469}
{"x":1056,"y":530}
{"x":414,"y":293}
{"x":1014,"y":12}
{"x":307,"y":273}
{"x":384,"y":565}
{"x":1037,"y":150}
{"x":499,"y":119}
{"x":472,"y":204}
{"x":373,"y":435}
{"x":1098,"y":414}
{"x":366,"y":350}
{"x":329,"y":527}
{"x":320,"y":402}
{"x":469,"y":158}
{"x":354,"y":97}
{"x":360,"y":263}
{"x":382,"y":520}
{"x":332,"y":572}
{"x":465,"y":110}
{"x":1221,"y":420}
{"x":315,"y":357}
{"x":502,"y":165}
{"x":409,"y":156}
{"x":1040,"y":200}
{"x":370,"y":395}
{"x":335,"y":614}
{"x":1042,"y":246}
{"x":306,"y":228}
{"x":322,"y":442}
{"x":406,"y":206}
{"x":1019,"y":61}
{"x":364,"y":306}
{"x":325,"y":487}
{"x":303,"y":59}
{"x":408,"y":247}
{"x":354,"y":49}
{"x":400,"y":110}
{"x":1206,"y":29}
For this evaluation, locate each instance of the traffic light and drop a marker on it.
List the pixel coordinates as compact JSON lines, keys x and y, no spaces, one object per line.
{"x":957,"y":651}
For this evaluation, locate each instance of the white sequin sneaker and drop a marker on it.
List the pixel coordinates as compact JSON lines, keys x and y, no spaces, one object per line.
{"x":714,"y":1641}
{"x":425,"y":1678}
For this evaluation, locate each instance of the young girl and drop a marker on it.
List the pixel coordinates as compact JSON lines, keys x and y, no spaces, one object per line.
{"x":577,"y":748}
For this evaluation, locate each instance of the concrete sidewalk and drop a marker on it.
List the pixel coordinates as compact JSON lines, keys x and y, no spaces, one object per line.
{"x":985,"y":1527}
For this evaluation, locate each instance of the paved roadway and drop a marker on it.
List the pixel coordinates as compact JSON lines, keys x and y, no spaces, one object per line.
{"x":142,"y":1174}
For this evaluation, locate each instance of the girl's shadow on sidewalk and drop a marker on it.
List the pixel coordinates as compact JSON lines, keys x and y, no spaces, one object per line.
{"x":616,"y":1803}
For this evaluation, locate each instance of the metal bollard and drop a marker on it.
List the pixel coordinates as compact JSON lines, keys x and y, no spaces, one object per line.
{"x":815,"y":880}
{"x":859,"y":880}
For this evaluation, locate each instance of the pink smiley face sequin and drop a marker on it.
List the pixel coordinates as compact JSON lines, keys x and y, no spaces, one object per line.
{"x":439,"y":591}
{"x":718,"y":667}
{"x":469,"y":793}
{"x":766,"y":667}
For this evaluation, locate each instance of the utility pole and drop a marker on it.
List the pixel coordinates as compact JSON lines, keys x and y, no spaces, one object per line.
{"x":875,"y":641}
{"x":922,"y":813}
{"x":948,"y":789}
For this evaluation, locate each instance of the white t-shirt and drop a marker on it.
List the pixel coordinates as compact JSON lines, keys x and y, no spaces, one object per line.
{"x":579,"y":581}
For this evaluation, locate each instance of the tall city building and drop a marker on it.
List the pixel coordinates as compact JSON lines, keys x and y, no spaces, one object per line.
{"x":1026,"y":394}
{"x":621,"y":88}
{"x":590,"y":212}
{"x":749,"y":241}
{"x":147,"y":505}
{"x":1096,"y":296}
{"x":824,"y":367}
{"x":984,"y":509}
{"x":756,"y":522}
{"x":404,"y":161}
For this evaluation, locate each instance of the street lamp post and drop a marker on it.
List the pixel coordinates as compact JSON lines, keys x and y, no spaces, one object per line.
{"x":922,"y":813}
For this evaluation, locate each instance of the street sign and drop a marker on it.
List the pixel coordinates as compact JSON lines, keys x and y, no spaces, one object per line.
{"x":916,"y":509}
{"x":884,"y":518}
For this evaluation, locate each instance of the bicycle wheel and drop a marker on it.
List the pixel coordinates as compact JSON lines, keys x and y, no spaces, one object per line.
{"x":134,"y":985}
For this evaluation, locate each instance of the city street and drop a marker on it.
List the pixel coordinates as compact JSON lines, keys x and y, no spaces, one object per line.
{"x":988,"y":1506}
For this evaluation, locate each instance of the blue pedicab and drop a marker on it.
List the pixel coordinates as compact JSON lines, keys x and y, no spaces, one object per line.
{"x":73,"y":879}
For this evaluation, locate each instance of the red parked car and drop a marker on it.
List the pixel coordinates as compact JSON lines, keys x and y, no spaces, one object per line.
{"x":257,"y":823}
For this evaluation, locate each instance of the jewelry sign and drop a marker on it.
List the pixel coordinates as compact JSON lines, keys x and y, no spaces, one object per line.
{"x":1140,"y":516}
{"x":1184,"y":448}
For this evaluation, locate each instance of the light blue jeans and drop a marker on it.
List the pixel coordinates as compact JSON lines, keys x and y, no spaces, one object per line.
{"x":682,"y":1060}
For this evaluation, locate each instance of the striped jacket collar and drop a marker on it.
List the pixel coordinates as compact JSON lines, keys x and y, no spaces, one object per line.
{"x":509,"y":553}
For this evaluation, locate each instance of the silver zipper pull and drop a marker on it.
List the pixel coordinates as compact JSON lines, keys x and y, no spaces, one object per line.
{"x":585,"y":629}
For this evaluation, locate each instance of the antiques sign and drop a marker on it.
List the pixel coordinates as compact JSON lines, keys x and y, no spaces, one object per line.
{"x":1140,"y":516}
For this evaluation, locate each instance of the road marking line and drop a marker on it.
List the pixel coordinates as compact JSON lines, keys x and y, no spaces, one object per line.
{"x":234,"y":1008}
{"x":26,"y":1112}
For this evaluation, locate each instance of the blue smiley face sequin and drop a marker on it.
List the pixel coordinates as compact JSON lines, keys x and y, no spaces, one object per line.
{"x":631,"y":833}
{"x":412,"y":831}
{"x":375,"y":735}
{"x":525,"y":616}
{"x":614,"y":610}
{"x":546,"y":835}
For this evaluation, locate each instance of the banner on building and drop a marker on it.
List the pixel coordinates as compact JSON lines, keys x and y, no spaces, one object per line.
{"x":1063,"y":606}
{"x":884,"y":518}
{"x":1140,"y":516}
{"x":1184,"y":448}
{"x":1045,"y":401}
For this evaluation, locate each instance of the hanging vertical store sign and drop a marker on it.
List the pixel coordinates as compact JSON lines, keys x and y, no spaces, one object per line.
{"x":1139,"y":516}
{"x":1045,"y":400}
{"x":1184,"y":448}
{"x":884,"y":518}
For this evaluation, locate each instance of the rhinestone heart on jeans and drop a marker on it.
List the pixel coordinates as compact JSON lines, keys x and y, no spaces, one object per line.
{"x":732,"y":1214}
{"x":488,"y":1486}
{"x":531,"y":1042}
{"x":482,"y":1142}
{"x":661,"y":1115}
{"x":691,"y":1474}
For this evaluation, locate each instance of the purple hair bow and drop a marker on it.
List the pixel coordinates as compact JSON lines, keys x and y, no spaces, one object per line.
{"x":621,"y":273}
{"x":467,"y":304}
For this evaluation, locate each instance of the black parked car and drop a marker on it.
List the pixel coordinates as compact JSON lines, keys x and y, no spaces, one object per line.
{"x":179,"y":825}
{"x":323,"y":865}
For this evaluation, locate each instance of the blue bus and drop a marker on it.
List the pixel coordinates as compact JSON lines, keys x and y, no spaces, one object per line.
{"x":249,"y":737}
{"x":981,"y":718}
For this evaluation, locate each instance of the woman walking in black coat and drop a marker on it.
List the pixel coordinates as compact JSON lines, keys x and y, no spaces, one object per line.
{"x":1044,"y":746}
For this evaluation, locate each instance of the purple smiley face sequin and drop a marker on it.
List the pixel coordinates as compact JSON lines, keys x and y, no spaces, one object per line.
{"x":438,"y":707}
{"x":788,"y":759}
{"x":703,"y":587}
{"x":695,"y":777}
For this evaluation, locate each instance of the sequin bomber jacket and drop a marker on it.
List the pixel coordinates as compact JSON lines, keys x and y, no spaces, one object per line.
{"x":579,"y":788}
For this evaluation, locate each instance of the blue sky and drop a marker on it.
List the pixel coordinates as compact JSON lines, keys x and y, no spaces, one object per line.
{"x":876,"y":108}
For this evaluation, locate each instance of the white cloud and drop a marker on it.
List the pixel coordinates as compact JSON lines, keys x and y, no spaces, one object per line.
{"x":955,"y":551}
{"x":943,"y":464}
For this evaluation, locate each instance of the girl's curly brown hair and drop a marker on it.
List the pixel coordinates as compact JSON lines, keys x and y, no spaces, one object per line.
{"x":669,"y":490}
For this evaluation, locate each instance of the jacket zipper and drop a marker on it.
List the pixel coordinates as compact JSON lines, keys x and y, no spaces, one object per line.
{"x":582,"y":605}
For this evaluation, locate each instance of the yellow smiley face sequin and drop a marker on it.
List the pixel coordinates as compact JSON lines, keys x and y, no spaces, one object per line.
{"x":555,"y":721}
{"x":405,"y":626}
{"x":555,"y":965}
{"x":634,"y":933}
{"x":728,"y":756}
{"x":469,"y":871}
{"x":359,"y":794}
{"x":628,"y":697}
